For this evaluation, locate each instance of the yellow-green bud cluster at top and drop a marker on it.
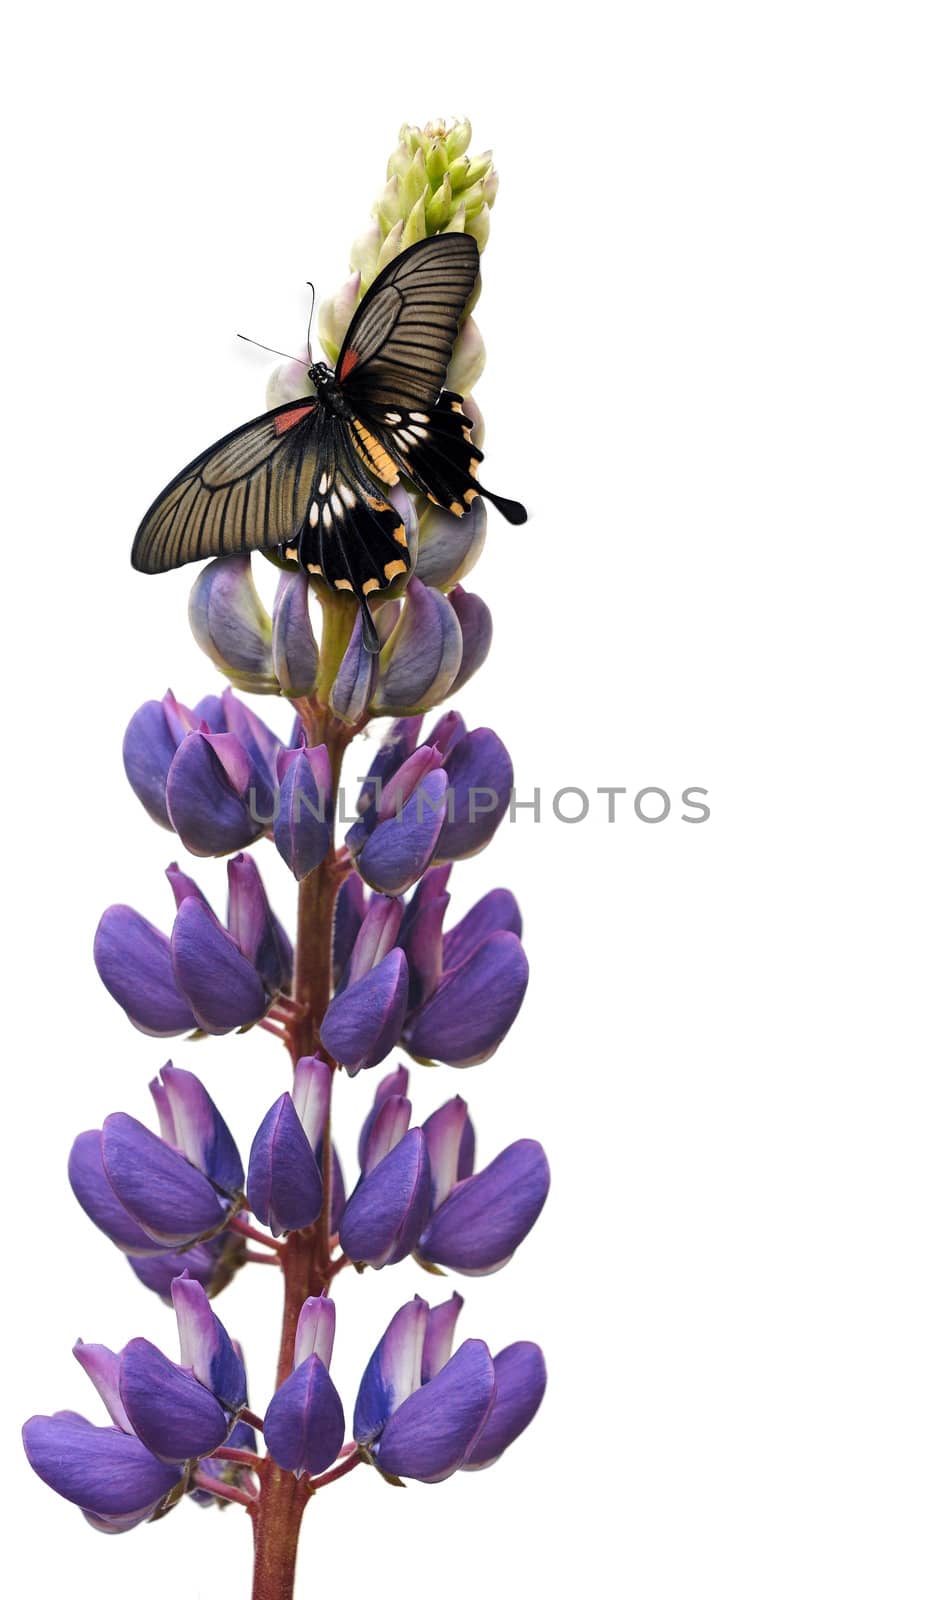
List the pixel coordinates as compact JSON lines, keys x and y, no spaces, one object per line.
{"x":432,"y":186}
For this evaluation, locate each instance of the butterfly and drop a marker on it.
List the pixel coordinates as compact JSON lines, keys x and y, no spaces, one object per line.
{"x":310,"y":477}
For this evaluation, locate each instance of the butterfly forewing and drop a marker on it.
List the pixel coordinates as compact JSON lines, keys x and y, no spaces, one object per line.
{"x":398,"y":346}
{"x":247,"y":492}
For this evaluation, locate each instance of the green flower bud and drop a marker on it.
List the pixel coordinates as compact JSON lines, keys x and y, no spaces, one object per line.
{"x":413,"y":184}
{"x":437,"y":161}
{"x":457,"y":139}
{"x":478,"y":226}
{"x":440,"y":207}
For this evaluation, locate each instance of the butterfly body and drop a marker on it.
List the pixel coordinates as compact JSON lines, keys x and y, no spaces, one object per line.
{"x":310,"y":477}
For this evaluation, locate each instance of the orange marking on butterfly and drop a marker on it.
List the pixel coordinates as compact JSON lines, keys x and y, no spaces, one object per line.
{"x":349,"y":362}
{"x":290,"y":419}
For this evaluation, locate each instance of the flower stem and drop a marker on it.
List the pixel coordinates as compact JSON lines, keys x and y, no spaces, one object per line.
{"x":305,"y":1256}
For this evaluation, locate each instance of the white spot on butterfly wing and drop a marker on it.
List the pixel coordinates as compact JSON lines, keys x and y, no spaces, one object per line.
{"x":313,"y":515}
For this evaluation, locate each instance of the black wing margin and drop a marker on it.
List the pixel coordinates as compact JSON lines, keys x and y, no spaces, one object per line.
{"x":398,"y":346}
{"x":249,"y":491}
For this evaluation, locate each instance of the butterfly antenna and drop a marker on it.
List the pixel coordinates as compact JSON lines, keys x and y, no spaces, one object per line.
{"x":310,"y":319}
{"x":299,"y":359}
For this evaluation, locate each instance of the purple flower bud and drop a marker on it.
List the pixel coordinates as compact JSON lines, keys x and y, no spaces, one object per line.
{"x":231,"y":625}
{"x":349,"y":913}
{"x":294,"y":648}
{"x":107,"y":1472}
{"x":483,"y":1219}
{"x":154,"y":734}
{"x":401,"y":845}
{"x":421,"y":659}
{"x":465,"y":988}
{"x":383,"y":1217}
{"x":186,"y":1411}
{"x":302,"y":830}
{"x":220,"y":985}
{"x":173,"y":1414}
{"x":427,"y":1437}
{"x":190,"y":1121}
{"x":99,"y":1200}
{"x":449,"y":546}
{"x":304,"y":1424}
{"x":363,"y":1021}
{"x":285,"y":1189}
{"x":215,"y":793}
{"x":388,"y":1124}
{"x":520,"y":1385}
{"x":172,"y":1201}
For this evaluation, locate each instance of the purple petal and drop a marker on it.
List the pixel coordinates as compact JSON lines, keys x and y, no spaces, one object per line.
{"x":390,"y":1123}
{"x":398,"y":743}
{"x":304,"y":1424}
{"x":428,"y":1437}
{"x":293,"y":646}
{"x":161,"y":1191}
{"x":150,"y":742}
{"x":101,"y":1469}
{"x":134,"y":961}
{"x":440,"y":1329}
{"x":444,"y":1137}
{"x":208,"y":782}
{"x":222,"y":987}
{"x":395,"y":1083}
{"x":422,"y":657}
{"x":254,"y":926}
{"x":376,"y":937}
{"x":496,"y":912}
{"x":476,"y":625}
{"x":487,"y":1217}
{"x":317,"y":1321}
{"x":99,"y":1200}
{"x":301,"y":830}
{"x":173,"y":1414}
{"x":362,"y":1025}
{"x":229,"y":622}
{"x":393,"y":1371}
{"x":183,"y":887}
{"x":399,"y":851}
{"x":520,"y":1385}
{"x":348,"y":916}
{"x":383,"y":1217}
{"x":311,"y":1094}
{"x":101,"y":1366}
{"x":356,"y":677}
{"x":421,"y":936}
{"x":450,"y":546}
{"x":285,"y":1190}
{"x":191,"y":1122}
{"x":205,"y":1345}
{"x":262,"y":745}
{"x":474,"y":1007}
{"x":479,"y":770}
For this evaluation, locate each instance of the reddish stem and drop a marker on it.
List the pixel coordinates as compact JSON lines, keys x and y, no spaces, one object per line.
{"x":305,"y":1256}
{"x":341,"y":1471}
{"x":224,"y":1491}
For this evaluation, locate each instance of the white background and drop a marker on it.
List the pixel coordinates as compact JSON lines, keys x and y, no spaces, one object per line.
{"x":716,"y":303}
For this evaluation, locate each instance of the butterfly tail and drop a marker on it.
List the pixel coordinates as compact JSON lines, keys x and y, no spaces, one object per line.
{"x":436,"y":452}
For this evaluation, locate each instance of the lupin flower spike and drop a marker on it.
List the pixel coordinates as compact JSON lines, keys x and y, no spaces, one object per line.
{"x":373,"y":966}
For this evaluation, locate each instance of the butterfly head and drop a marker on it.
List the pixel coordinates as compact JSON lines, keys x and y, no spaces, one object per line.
{"x":320,"y":374}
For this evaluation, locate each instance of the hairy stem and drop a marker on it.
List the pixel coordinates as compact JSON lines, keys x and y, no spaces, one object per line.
{"x":305,"y":1257}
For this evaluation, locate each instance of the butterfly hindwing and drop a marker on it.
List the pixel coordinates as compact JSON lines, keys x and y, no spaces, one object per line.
{"x":350,"y":535}
{"x":434,"y":449}
{"x":398,"y":346}
{"x":249,"y":491}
